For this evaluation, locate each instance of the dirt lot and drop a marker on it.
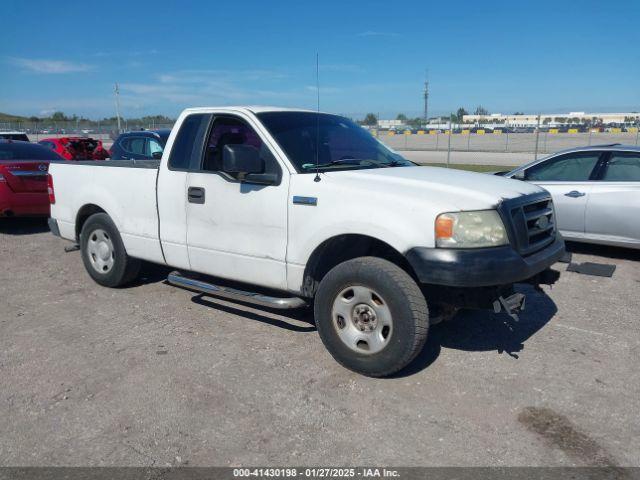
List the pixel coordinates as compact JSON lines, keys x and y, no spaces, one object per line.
{"x":154,"y":375}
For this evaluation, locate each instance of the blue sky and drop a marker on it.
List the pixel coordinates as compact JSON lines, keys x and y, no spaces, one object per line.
{"x":507,"y":56}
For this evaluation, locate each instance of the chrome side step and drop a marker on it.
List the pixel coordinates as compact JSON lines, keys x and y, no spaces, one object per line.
{"x":283,"y":303}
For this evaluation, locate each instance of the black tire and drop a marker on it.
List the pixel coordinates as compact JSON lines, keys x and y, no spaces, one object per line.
{"x":405,"y":302}
{"x":124,"y":269}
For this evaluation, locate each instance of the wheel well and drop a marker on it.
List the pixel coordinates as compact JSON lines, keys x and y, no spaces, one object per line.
{"x":83,"y":214}
{"x":346,"y":247}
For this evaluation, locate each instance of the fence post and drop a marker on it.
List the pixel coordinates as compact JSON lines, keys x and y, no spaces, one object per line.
{"x":506,"y":140}
{"x":637,"y":131}
{"x":535,"y":156}
{"x":449,"y":143}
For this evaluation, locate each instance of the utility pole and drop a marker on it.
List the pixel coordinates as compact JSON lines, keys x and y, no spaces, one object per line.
{"x":426,"y":97}
{"x":117,"y":92}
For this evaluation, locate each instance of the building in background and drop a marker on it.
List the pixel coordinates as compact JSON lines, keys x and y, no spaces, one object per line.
{"x":553,"y":119}
{"x":388,"y":124}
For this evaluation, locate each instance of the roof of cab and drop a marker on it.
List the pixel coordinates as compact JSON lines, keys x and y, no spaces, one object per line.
{"x":247,"y":109}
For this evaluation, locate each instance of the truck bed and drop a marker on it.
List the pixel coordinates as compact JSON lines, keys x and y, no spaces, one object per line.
{"x":124,"y":189}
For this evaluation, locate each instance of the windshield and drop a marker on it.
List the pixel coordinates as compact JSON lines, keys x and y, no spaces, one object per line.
{"x":343,"y":144}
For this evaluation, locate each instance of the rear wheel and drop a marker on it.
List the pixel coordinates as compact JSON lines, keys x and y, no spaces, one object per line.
{"x":103,"y":253}
{"x":371,"y":316}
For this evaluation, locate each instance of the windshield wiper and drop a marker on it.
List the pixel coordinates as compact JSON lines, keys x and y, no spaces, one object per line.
{"x":343,"y":161}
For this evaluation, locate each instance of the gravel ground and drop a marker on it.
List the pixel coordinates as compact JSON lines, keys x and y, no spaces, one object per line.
{"x":155,"y":375}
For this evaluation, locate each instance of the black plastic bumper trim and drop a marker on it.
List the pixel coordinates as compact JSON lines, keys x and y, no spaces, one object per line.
{"x":53,"y":226}
{"x":480,"y":267}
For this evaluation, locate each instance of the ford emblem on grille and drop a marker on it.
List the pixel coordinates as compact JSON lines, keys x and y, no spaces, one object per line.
{"x":42,"y":167}
{"x":543,"y":222}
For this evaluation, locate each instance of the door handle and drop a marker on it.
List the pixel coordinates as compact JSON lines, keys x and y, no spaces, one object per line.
{"x":195,"y":195}
{"x":574,"y":194}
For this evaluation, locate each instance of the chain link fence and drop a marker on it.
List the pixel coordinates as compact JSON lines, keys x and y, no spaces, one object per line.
{"x":102,"y":131}
{"x":453,"y":138}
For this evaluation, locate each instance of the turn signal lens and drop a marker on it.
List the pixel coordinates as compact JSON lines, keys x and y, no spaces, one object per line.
{"x":444,"y":226}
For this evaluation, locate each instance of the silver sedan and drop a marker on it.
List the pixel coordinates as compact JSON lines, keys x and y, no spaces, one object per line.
{"x":595,"y":190}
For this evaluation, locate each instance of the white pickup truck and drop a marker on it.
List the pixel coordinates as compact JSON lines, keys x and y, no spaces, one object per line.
{"x":308,"y":208}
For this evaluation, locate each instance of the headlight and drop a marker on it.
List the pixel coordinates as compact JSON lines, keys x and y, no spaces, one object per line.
{"x":483,"y":228}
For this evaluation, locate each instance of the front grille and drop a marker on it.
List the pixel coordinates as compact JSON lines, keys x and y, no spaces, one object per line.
{"x":533,"y":223}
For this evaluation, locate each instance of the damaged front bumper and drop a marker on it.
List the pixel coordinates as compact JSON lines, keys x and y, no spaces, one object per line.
{"x":483,"y":278}
{"x":480,"y":267}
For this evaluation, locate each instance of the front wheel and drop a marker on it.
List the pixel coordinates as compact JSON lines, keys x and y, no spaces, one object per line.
{"x":371,"y":316}
{"x":103,"y":253}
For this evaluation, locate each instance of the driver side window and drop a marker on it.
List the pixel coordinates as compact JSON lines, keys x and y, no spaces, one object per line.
{"x":573,"y":167}
{"x":234,"y":131}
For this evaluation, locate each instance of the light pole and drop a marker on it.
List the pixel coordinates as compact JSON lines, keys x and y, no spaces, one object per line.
{"x":117,"y":92}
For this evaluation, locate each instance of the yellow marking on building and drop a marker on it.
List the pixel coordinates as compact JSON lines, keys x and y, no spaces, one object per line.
{"x":433,"y":132}
{"x":420,"y":132}
{"x":466,"y":132}
{"x":633,"y":130}
{"x":480,"y":132}
{"x":616,"y":130}
{"x":553,"y":131}
{"x":572,"y":130}
{"x":497,"y":131}
{"x":390,"y":133}
{"x":407,"y":132}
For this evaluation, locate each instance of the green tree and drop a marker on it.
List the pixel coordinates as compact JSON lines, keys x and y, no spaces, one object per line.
{"x":370,"y":119}
{"x":480,"y":110}
{"x":460,"y":114}
{"x":58,"y":117}
{"x":402,"y":117}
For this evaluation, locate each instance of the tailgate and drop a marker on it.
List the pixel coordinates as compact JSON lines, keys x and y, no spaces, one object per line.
{"x":25,"y":176}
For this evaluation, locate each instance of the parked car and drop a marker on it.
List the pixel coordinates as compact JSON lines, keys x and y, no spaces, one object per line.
{"x":21,"y":136}
{"x":76,"y":148}
{"x":595,"y":190}
{"x":23,"y":178}
{"x":379,"y":246}
{"x":140,"y":145}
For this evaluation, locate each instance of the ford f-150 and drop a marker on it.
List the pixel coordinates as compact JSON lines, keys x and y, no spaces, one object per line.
{"x":306,"y":208}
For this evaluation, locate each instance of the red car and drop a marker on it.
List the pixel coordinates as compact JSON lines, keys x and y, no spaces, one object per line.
{"x":76,"y":148}
{"x":23,"y":178}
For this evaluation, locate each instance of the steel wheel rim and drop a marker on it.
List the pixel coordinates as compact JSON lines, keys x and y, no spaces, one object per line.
{"x":100,"y":251}
{"x":362,"y":319}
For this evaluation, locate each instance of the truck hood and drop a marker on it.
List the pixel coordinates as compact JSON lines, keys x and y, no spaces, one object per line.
{"x":450,"y":189}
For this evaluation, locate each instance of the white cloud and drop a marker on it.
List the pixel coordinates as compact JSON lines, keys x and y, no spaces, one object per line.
{"x":373,"y":33}
{"x":50,"y":66}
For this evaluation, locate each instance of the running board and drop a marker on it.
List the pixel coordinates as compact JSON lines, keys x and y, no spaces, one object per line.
{"x":284,"y":303}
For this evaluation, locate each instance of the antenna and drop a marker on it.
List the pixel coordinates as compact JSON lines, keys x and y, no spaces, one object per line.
{"x":317,"y":177}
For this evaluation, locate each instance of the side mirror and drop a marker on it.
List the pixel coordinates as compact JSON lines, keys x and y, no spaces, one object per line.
{"x":241,"y":160}
{"x":521,"y":175}
{"x":157,"y":155}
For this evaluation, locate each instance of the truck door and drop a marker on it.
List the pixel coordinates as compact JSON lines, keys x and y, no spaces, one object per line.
{"x":237,"y":230}
{"x":568,"y":178}
{"x":184,"y":154}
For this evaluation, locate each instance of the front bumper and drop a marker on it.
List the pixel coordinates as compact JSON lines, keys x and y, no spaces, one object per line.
{"x":480,"y":267}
